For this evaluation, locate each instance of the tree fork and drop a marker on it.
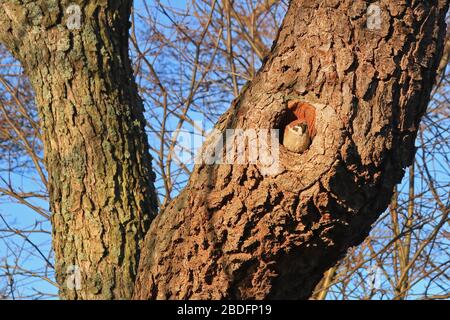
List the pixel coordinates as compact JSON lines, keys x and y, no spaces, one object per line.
{"x":232,"y":232}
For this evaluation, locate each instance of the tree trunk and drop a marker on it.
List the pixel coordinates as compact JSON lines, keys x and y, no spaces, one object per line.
{"x":236,"y":232}
{"x":99,"y":169}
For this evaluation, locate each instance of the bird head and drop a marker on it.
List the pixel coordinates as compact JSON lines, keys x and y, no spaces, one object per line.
{"x":300,"y":128}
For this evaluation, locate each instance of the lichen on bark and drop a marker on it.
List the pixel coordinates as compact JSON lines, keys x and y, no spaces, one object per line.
{"x":96,"y":152}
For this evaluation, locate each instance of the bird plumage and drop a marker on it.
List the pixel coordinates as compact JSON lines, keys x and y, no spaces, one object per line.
{"x":296,"y":137}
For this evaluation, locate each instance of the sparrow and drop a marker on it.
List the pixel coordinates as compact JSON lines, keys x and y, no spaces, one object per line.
{"x":296,"y":137}
{"x":299,"y":133}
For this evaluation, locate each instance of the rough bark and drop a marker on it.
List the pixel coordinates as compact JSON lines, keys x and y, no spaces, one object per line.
{"x":236,"y":233}
{"x":99,"y":171}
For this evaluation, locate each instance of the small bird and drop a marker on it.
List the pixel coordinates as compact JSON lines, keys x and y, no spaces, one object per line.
{"x":296,"y":136}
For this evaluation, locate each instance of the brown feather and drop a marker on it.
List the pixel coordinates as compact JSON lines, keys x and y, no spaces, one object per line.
{"x":305,"y":113}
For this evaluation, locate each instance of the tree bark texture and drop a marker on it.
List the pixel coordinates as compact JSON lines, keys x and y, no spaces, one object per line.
{"x":99,"y":170}
{"x":235,"y":233}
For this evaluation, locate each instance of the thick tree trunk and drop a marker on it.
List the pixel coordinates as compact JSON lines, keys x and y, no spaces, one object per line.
{"x":96,"y":152}
{"x":237,"y":233}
